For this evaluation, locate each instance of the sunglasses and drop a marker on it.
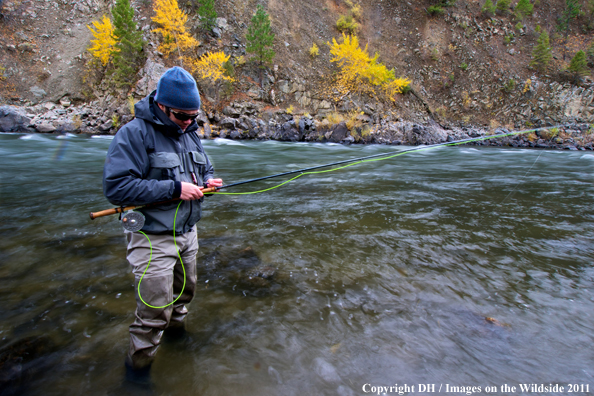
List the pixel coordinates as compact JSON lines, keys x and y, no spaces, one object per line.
{"x":182,"y":116}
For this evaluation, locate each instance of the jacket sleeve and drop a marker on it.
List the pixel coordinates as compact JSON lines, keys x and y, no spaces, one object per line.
{"x":126,"y":168}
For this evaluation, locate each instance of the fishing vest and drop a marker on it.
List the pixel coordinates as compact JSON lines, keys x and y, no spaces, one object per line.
{"x":182,"y":159}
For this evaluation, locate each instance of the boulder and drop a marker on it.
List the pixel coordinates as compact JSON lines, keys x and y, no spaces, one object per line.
{"x":228,"y":122}
{"x":289,"y":132}
{"x":232,"y":111}
{"x":45,"y":127}
{"x":37,"y":92}
{"x":148,"y":77}
{"x":65,"y":101}
{"x":13,"y":119}
{"x":106,"y":126}
{"x":339,"y":133}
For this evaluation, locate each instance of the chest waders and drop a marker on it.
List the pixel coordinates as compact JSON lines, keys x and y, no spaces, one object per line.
{"x":149,"y":263}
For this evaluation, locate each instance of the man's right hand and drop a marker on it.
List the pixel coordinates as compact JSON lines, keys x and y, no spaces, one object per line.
{"x":190,"y":192}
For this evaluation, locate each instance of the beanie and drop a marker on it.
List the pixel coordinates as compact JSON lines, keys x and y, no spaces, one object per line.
{"x":177,"y":89}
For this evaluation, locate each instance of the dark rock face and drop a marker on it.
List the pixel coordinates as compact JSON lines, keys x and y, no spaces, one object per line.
{"x":12,"y":120}
{"x":289,"y":132}
{"x":339,"y":133}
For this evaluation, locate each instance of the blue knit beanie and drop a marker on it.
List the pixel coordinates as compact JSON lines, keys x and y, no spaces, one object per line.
{"x":177,"y":89}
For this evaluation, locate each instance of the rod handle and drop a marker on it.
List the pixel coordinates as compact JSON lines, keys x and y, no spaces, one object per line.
{"x":210,"y":189}
{"x":107,"y":212}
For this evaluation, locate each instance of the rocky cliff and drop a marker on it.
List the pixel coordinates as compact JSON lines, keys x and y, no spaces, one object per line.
{"x":468,"y":71}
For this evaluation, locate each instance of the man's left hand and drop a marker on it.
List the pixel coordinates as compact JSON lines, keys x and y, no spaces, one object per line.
{"x":214,"y":182}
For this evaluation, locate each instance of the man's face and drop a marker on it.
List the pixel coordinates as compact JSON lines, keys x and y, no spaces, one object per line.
{"x":173,"y":115}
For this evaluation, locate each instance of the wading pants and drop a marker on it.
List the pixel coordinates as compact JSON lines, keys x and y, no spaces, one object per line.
{"x":162,"y":283}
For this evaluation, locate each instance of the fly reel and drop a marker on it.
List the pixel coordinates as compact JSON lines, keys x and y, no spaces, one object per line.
{"x":133,"y":221}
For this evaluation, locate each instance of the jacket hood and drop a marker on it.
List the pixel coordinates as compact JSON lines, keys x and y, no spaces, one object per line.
{"x":145,"y":110}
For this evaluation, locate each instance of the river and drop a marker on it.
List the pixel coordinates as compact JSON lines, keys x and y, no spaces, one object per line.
{"x":455,"y":267}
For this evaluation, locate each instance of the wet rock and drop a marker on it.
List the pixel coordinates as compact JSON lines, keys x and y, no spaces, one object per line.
{"x":45,"y":128}
{"x":23,"y":359}
{"x":242,"y":271}
{"x":326,"y":371}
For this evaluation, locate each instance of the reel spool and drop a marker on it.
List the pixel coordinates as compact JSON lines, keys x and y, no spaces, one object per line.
{"x":133,"y":221}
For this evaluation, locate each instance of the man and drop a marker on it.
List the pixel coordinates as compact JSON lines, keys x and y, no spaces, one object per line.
{"x":158,"y":157}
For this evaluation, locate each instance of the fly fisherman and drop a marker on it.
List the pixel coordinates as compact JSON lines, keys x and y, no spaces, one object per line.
{"x":154,"y":158}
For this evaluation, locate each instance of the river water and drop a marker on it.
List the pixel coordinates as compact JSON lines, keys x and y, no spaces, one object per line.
{"x":453,"y":267}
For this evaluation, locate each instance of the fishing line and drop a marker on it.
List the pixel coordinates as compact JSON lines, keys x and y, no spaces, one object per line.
{"x":371,"y":158}
{"x":311,"y":171}
{"x":522,"y":178}
{"x":149,"y":263}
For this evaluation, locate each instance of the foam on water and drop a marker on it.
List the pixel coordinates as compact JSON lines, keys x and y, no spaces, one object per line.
{"x":66,"y":136}
{"x":221,"y":141}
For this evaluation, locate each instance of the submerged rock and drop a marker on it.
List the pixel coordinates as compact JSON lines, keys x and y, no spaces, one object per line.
{"x":241,"y":271}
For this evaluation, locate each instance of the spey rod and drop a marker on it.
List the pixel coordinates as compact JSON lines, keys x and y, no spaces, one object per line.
{"x":352,"y":160}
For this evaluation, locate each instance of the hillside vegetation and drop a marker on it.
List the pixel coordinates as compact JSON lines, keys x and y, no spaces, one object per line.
{"x":458,"y":63}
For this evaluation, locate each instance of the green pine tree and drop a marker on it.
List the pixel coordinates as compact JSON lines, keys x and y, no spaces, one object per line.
{"x":523,"y":9}
{"x":208,"y":14}
{"x":503,"y":5}
{"x":579,"y":66}
{"x":489,"y":7}
{"x":260,"y":37}
{"x":129,"y":55}
{"x":541,"y":55}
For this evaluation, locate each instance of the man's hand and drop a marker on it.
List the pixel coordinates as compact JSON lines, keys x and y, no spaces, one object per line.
{"x":190,"y":192}
{"x":214,"y":182}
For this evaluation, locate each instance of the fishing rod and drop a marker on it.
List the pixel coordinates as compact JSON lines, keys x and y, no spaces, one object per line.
{"x":352,"y":161}
{"x":389,"y":154}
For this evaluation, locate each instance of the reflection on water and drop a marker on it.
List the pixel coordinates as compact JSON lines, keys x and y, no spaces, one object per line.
{"x":451,"y":265}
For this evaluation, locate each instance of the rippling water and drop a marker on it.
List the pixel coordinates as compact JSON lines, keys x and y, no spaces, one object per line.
{"x":463,"y":266}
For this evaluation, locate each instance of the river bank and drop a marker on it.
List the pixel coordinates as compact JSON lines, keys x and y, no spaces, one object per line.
{"x":245,"y":121}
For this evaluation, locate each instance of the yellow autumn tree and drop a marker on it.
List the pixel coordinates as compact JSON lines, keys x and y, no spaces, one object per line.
{"x":212,"y":73}
{"x":359,"y":71}
{"x":210,"y":67}
{"x":173,"y":27}
{"x":104,"y":44}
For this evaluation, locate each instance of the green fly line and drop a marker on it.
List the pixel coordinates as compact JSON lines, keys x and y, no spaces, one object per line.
{"x":149,"y":263}
{"x":376,"y":159}
{"x":388,"y":156}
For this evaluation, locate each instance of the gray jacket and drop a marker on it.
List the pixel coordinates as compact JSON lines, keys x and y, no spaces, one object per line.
{"x":146,"y":163}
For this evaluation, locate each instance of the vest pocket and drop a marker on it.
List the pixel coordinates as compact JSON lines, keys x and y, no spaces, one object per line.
{"x":199,"y":163}
{"x":164,"y":166}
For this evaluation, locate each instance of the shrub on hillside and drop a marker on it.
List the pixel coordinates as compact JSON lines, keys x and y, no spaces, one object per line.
{"x":523,"y":9}
{"x":489,"y":7}
{"x":347,"y":24}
